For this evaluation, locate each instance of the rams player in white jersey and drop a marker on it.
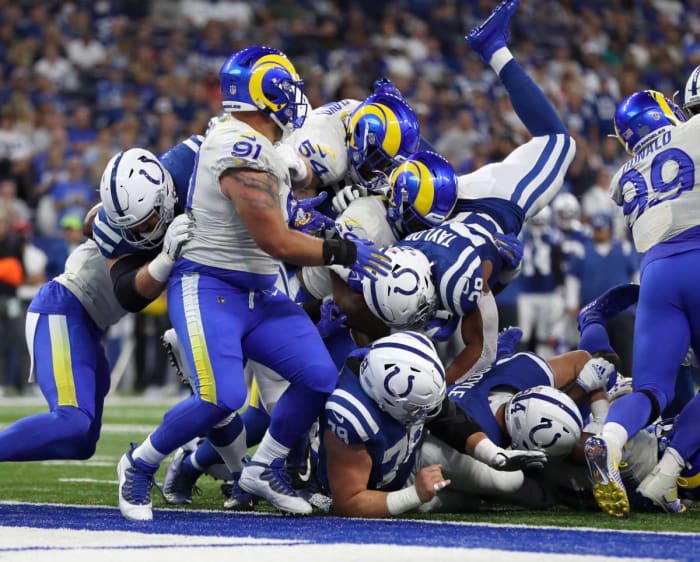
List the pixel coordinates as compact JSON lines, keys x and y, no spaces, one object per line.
{"x":659,"y":192}
{"x":221,"y":295}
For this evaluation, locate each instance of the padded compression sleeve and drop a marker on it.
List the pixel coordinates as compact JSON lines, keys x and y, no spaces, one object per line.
{"x":123,"y":273}
{"x":453,"y":425}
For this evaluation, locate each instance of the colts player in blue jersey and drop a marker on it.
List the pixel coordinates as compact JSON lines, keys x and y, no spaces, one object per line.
{"x":476,"y":251}
{"x":68,"y":317}
{"x":375,"y":421}
{"x":658,"y":190}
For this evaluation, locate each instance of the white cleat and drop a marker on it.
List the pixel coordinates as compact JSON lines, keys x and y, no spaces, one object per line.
{"x":135,"y":481}
{"x":661,"y":491}
{"x":271,"y":483}
{"x":608,"y":489}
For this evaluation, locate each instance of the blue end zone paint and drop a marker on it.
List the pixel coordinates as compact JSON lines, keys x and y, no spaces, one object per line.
{"x":336,"y":530}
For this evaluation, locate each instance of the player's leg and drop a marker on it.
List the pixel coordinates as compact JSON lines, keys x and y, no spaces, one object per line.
{"x":208,"y":316}
{"x":66,"y":353}
{"x":296,"y":352}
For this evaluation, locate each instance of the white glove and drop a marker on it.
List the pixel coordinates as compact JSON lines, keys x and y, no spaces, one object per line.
{"x":347,"y":195}
{"x":595,"y":374}
{"x":508,"y":460}
{"x":179,"y":233}
{"x":298,"y":170}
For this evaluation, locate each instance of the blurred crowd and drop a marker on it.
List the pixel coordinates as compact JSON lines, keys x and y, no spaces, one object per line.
{"x":82,"y":80}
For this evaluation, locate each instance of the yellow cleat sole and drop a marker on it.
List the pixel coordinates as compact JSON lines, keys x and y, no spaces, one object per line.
{"x":612,"y":499}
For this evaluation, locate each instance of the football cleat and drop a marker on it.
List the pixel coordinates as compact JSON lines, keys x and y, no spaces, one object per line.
{"x":271,"y":483}
{"x":609,"y":304}
{"x":179,"y":484}
{"x":135,"y":481}
{"x":176,"y":356}
{"x":660,"y":491}
{"x":508,"y":338}
{"x":239,"y":500}
{"x":608,"y":489}
{"x":494,"y":33}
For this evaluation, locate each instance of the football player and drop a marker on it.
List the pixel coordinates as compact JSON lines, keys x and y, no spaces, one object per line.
{"x":221,"y":295}
{"x":658,"y":191}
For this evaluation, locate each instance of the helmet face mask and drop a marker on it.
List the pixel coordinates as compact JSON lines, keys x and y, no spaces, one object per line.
{"x":381,"y":132}
{"x":642,"y":117}
{"x":691,"y":94}
{"x":264,"y":79}
{"x":423,"y":191}
{"x":134,"y":188}
{"x":404,"y":376}
{"x":543,"y":418}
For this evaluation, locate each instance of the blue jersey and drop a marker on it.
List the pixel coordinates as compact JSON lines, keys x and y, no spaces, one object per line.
{"x":515,"y":373}
{"x":541,"y":265}
{"x":456,"y":252}
{"x":355,"y":419}
{"x":179,"y":162}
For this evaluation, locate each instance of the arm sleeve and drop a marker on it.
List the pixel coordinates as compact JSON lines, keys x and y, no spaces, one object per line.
{"x":123,"y":274}
{"x":453,"y":425}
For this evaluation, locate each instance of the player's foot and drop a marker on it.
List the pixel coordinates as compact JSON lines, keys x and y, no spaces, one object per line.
{"x":609,"y":304}
{"x":508,"y":338}
{"x":608,"y":489}
{"x":271,"y":483}
{"x":494,"y":32}
{"x":135,"y":482}
{"x":239,"y":500}
{"x":176,"y":355}
{"x":660,"y":491}
{"x":179,"y":483}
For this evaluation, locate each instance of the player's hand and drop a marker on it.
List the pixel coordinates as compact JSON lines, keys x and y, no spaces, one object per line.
{"x":442,"y":326}
{"x":303,"y":216}
{"x":595,"y":374}
{"x":510,"y":249}
{"x":179,"y":233}
{"x":429,"y":481}
{"x":347,"y":195}
{"x":298,"y":170}
{"x":332,"y":319}
{"x":510,"y":460}
{"x":370,"y":261}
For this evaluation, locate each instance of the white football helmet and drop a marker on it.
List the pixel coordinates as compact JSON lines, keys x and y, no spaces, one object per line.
{"x":405,"y":297}
{"x":545,"y":419}
{"x":691,"y":94}
{"x":566,"y":209}
{"x":403,"y":374}
{"x":134,"y":187}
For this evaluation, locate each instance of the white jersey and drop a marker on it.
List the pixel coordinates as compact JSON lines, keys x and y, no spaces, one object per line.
{"x":221,"y":239}
{"x":659,"y":189}
{"x":87,"y":276}
{"x":321,"y":140}
{"x":364,"y":218}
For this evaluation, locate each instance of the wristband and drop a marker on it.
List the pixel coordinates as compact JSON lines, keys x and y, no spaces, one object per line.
{"x":486,"y":451}
{"x":160,"y":267}
{"x":339,"y":252}
{"x":402,"y":500}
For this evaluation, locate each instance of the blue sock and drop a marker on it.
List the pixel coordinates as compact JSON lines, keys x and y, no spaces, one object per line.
{"x":294,"y":413}
{"x":256,"y":421}
{"x":206,"y":455}
{"x":529,"y":102}
{"x":299,"y":452}
{"x":222,"y":436}
{"x":65,"y":433}
{"x":185,"y":421}
{"x":631,"y":412}
{"x":595,"y":338}
{"x":686,"y":437}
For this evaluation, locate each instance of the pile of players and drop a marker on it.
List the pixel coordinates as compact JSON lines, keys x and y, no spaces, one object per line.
{"x":297,"y":243}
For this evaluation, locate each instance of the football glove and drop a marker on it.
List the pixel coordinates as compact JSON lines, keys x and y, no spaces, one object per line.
{"x":510,"y":249}
{"x":595,"y":374}
{"x":347,"y":195}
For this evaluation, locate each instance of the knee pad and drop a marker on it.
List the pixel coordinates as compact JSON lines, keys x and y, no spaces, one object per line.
{"x":655,"y":406}
{"x":75,"y":421}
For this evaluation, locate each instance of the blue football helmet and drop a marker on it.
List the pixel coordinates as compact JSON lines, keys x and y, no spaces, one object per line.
{"x":423,"y":191}
{"x":640,"y":118}
{"x":264,"y":79}
{"x":382,"y":131}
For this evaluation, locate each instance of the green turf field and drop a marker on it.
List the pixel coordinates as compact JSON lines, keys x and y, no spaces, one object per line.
{"x":93,"y":482}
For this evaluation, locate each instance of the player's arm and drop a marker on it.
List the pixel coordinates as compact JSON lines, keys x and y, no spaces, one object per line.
{"x":349,"y":468}
{"x":255,"y":195}
{"x":472,"y":330}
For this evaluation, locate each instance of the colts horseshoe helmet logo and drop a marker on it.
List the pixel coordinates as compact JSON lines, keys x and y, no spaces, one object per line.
{"x":395,"y":370}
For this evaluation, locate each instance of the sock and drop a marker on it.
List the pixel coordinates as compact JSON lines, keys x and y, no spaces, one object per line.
{"x":671,"y":463}
{"x":500,"y":58}
{"x":148,"y":453}
{"x":533,"y":108}
{"x":269,"y":450}
{"x":190,"y":466}
{"x":594,"y":338}
{"x":295,"y":412}
{"x":616,"y":437}
{"x":230,"y":442}
{"x":205,"y":456}
{"x":631,"y":412}
{"x":256,"y":421}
